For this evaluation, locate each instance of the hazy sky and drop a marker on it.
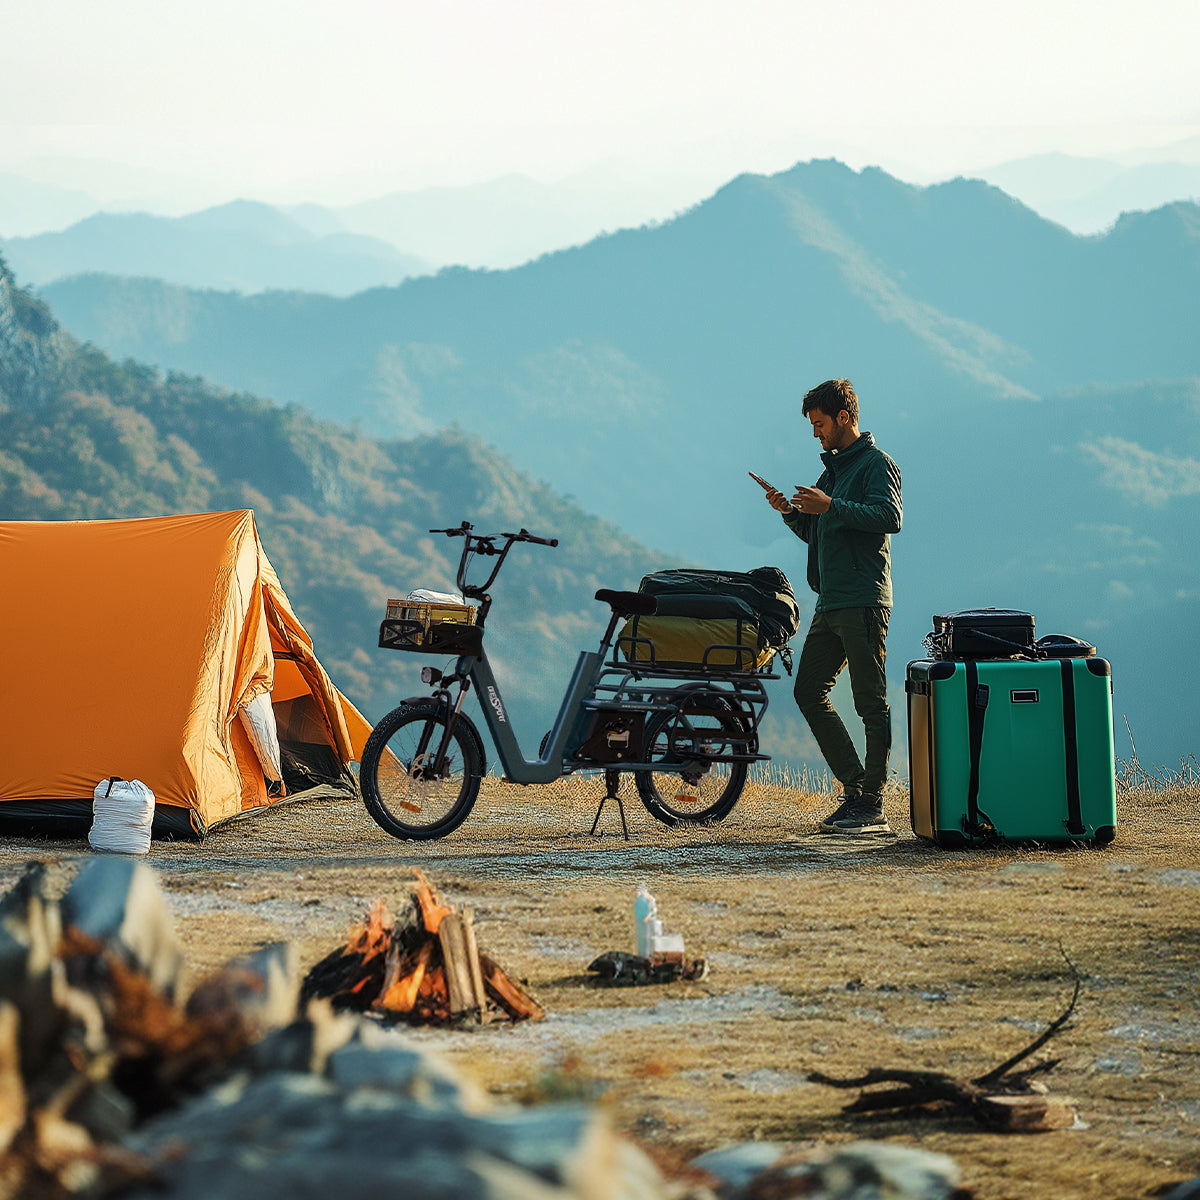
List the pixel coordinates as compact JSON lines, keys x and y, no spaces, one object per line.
{"x":337,"y":100}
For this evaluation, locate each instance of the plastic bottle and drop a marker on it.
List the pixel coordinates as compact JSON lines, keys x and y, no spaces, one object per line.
{"x":645,"y":908}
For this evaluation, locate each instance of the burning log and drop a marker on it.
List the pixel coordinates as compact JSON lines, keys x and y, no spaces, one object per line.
{"x":504,"y":992}
{"x":423,"y":966}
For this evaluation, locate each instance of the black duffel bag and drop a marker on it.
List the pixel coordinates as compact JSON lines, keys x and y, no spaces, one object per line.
{"x":763,"y":595}
{"x":982,"y":633}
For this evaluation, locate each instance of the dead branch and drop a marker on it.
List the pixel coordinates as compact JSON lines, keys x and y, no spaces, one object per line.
{"x":1000,"y":1098}
{"x":996,"y":1074}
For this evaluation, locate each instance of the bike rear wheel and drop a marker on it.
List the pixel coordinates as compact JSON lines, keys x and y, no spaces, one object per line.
{"x":686,"y":784}
{"x":404,"y":787}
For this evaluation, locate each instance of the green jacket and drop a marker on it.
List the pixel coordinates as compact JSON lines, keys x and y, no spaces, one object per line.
{"x":849,"y":547}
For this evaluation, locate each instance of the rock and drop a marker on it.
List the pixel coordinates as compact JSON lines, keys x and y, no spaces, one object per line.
{"x":735,"y":1166}
{"x":860,"y":1171}
{"x":105,"y":1112}
{"x":1190,"y":1190}
{"x":30,"y":973}
{"x":116,"y":904}
{"x":12,"y":1086}
{"x":300,"y":1135}
{"x":306,"y":1044}
{"x":381,"y":1059}
{"x":259,"y":989}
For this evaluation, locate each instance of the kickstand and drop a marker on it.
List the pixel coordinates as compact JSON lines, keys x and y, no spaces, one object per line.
{"x":612,"y":785}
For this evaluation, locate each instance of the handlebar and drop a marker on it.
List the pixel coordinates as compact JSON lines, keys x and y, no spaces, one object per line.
{"x":476,"y":543}
{"x":464,"y":530}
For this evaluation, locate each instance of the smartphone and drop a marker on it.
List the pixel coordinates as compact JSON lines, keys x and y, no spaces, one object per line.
{"x":762,"y":483}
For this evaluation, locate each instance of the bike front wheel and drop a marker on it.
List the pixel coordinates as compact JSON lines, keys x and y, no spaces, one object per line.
{"x":685,"y":783}
{"x":416,"y":781}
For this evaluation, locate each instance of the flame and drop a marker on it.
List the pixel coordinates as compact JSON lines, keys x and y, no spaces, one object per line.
{"x":373,"y":936}
{"x":433,"y":996}
{"x":402,"y":994}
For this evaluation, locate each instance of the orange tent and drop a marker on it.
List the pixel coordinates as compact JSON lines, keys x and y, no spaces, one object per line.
{"x":132,"y":648}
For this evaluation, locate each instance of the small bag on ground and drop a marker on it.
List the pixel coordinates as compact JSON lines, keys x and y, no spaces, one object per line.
{"x":122,"y":814}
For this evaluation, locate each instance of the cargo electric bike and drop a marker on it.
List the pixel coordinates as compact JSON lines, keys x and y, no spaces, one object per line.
{"x":687,"y":732}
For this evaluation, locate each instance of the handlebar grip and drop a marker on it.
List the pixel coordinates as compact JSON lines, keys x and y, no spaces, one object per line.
{"x":457,"y":531}
{"x":526,"y":536}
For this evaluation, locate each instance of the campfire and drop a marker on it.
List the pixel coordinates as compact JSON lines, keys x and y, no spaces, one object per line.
{"x":423,"y":967}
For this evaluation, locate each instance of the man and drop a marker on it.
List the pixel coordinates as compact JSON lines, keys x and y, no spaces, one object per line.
{"x":847,"y":519}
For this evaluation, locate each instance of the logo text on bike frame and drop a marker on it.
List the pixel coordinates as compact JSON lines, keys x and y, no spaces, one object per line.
{"x":494,"y":701}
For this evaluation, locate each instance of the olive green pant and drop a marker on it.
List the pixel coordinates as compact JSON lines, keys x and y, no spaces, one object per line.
{"x":853,"y":636}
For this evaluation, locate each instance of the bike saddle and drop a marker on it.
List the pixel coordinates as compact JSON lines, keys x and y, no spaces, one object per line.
{"x":629,"y":604}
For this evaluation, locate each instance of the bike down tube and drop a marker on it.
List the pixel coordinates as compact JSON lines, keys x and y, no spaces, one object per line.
{"x":517,"y":768}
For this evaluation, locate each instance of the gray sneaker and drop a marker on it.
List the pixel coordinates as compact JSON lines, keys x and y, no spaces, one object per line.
{"x":848,"y":799}
{"x":863,"y":815}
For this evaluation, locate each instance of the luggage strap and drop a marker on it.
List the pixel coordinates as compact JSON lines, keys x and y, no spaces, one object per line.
{"x":977,"y":701}
{"x":1074,"y":808}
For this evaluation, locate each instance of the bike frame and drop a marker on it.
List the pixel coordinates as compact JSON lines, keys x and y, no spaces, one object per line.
{"x":582,"y":694}
{"x":553,"y":762}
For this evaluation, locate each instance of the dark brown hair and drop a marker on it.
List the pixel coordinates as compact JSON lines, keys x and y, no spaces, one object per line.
{"x":830,"y":398}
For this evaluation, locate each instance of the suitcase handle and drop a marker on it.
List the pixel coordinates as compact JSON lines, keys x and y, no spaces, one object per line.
{"x":977,"y":702}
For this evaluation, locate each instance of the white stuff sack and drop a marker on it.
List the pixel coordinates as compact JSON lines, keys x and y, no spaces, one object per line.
{"x":258,"y":720}
{"x":426,"y":596}
{"x":122,"y":813}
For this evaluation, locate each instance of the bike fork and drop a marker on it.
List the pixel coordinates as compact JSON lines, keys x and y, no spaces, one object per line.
{"x":449,"y":724}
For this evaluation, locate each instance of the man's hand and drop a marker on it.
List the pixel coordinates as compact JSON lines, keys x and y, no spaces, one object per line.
{"x":778,"y":501}
{"x":810,"y":500}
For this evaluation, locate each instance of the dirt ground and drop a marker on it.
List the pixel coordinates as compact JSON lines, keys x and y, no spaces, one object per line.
{"x":825,"y":953}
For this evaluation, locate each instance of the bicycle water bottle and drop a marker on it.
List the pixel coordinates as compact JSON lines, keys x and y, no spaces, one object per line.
{"x":645,"y":908}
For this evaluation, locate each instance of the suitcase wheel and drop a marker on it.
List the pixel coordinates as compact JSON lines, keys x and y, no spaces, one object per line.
{"x":951,"y":839}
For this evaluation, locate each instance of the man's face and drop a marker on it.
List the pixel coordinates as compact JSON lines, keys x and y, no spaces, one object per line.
{"x":832,"y":432}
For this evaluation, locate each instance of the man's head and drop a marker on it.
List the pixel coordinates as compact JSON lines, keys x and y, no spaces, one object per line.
{"x":832,"y":407}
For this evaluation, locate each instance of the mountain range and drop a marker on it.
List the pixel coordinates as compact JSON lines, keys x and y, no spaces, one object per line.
{"x":242,"y":246}
{"x":1038,"y":389}
{"x":1087,"y":195}
{"x":340,"y":248}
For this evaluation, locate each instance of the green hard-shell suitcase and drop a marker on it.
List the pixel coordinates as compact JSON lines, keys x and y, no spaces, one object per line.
{"x":1011,"y":749}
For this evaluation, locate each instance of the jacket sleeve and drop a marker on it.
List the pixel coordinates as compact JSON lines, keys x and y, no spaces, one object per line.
{"x":801,"y":524}
{"x":880,"y":508}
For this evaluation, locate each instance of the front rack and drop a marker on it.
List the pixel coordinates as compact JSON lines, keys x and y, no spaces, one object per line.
{"x":430,"y":627}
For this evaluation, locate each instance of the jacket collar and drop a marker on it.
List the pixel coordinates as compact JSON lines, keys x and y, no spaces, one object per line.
{"x":834,"y":458}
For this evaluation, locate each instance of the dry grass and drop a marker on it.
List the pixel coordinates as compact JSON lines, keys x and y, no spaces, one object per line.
{"x":825,"y":953}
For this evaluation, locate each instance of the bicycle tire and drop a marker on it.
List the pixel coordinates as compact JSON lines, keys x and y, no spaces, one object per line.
{"x":402,"y":799}
{"x":699,"y":791}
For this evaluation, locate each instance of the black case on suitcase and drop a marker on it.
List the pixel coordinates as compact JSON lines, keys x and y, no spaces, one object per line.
{"x":982,"y":633}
